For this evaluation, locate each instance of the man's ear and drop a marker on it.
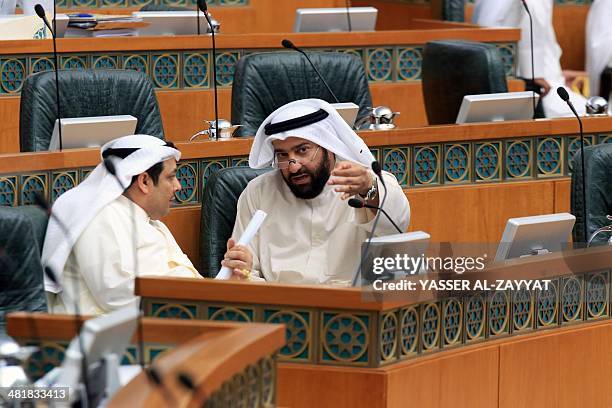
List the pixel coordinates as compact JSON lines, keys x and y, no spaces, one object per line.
{"x":144,"y":182}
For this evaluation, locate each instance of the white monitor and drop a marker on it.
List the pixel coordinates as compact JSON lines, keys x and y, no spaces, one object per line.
{"x":497,"y":107}
{"x":171,"y":22}
{"x":348,"y":111}
{"x":91,"y":131}
{"x":408,"y":244}
{"x":104,"y":336}
{"x":533,"y":235}
{"x":311,"y":20}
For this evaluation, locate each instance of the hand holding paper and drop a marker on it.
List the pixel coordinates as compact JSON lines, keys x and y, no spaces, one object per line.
{"x":245,"y":239}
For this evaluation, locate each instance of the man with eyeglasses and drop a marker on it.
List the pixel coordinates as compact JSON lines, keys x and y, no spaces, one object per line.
{"x":311,"y":235}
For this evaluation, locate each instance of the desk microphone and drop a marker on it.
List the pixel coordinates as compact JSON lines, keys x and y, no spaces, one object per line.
{"x":204,"y":8}
{"x":289,"y":45}
{"x":565,"y":96}
{"x":40,"y":11}
{"x":357,"y":203}
{"x":532,"y":58}
{"x":41,"y":202}
{"x":376,"y":168}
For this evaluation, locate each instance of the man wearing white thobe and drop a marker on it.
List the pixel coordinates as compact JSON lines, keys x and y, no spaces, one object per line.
{"x":116,"y":231}
{"x":598,"y":42}
{"x":547,"y":52}
{"x":310,"y":235}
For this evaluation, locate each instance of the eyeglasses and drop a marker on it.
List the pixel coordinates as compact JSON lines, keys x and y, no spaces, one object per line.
{"x":303,"y":155}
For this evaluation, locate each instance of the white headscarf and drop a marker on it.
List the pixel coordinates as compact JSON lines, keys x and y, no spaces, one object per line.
{"x":331,"y":133}
{"x":78,"y":206}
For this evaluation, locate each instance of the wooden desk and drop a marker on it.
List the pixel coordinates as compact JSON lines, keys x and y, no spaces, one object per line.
{"x":180,"y":68}
{"x":228,"y":362}
{"x":504,"y":170}
{"x":427,"y":349}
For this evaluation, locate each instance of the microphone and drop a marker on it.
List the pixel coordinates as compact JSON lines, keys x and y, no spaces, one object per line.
{"x":204,"y":8}
{"x":357,"y":203}
{"x":565,"y":96}
{"x":40,"y":12}
{"x":348,"y":14}
{"x":110,"y":167}
{"x":376,"y":168}
{"x":532,"y":57}
{"x":42,"y":203}
{"x":289,"y":45}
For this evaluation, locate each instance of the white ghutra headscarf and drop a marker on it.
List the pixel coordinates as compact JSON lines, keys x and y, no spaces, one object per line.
{"x":77,"y":207}
{"x":314,"y":120}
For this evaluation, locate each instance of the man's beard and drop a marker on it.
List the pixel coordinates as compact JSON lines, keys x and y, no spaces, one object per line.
{"x":318,"y":178}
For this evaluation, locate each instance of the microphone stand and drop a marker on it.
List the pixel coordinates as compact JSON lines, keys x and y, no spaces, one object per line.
{"x":532,"y":57}
{"x":204,"y":7}
{"x":348,"y":14}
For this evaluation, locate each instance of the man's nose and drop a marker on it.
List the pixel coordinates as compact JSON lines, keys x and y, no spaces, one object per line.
{"x":177,"y":185}
{"x":294,"y":165}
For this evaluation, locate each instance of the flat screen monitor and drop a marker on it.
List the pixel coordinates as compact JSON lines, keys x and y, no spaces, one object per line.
{"x":408,"y":244}
{"x":348,"y":111}
{"x":91,"y":131}
{"x":497,"y":107}
{"x":109,"y":334}
{"x":531,"y":235}
{"x":171,"y":22}
{"x":312,"y":20}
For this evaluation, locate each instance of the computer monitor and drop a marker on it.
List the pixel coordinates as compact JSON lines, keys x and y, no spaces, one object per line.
{"x":171,"y":22}
{"x":104,"y":336}
{"x":407,"y":245}
{"x":347,"y":110}
{"x":533,"y":235}
{"x":497,"y":107}
{"x":312,"y":20}
{"x":91,"y":131}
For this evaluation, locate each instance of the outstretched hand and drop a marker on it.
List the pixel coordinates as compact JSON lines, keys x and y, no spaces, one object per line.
{"x":351,"y":179}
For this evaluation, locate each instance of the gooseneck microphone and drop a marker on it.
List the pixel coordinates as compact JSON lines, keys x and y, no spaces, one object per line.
{"x":289,"y":45}
{"x":376,"y":168}
{"x":565,"y":96}
{"x":532,"y":57}
{"x":348,"y":14}
{"x":357,"y":203}
{"x":204,"y":8}
{"x":42,"y":203}
{"x":40,"y":12}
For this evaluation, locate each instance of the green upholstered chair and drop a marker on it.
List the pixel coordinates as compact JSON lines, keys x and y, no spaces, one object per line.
{"x":598,"y":180}
{"x":85,"y":92}
{"x":218,"y":216}
{"x":453,"y":69}
{"x":264,"y":82}
{"x":22,"y":232}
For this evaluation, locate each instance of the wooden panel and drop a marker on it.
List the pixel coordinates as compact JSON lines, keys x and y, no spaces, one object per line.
{"x":570,"y":22}
{"x":562,"y":195}
{"x":476,"y":213}
{"x":184,"y":223}
{"x":465,"y":379}
{"x":301,"y":385}
{"x":9,"y":131}
{"x":560,"y":370}
{"x":395,"y":16}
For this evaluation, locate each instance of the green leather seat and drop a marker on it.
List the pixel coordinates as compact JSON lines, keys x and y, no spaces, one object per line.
{"x":453,"y":69}
{"x":218,"y":216}
{"x":598,"y":169}
{"x":85,"y":93}
{"x":264,"y":82}
{"x":22,"y":232}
